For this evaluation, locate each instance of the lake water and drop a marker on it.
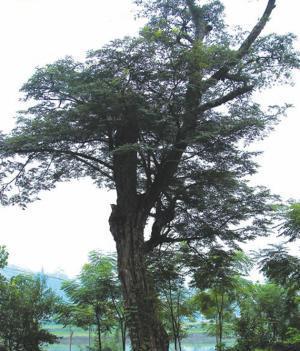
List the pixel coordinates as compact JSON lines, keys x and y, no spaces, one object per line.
{"x":196,"y":342}
{"x":62,"y":347}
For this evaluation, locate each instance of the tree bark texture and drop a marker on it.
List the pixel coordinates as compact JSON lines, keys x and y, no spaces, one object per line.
{"x":146,"y":331}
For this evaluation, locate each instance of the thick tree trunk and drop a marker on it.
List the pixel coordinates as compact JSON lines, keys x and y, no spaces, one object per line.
{"x":145,"y":330}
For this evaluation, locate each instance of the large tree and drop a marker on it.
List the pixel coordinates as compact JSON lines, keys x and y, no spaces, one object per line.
{"x":162,"y":118}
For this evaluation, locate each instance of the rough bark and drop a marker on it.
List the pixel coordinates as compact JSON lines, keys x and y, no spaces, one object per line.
{"x":146,"y":331}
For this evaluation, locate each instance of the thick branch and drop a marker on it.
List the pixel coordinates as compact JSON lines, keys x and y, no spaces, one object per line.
{"x":163,"y":239}
{"x":165,"y":171}
{"x":201,"y":27}
{"x":257,"y":29}
{"x":95,"y":168}
{"x":147,"y":169}
{"x":66,"y":152}
{"x":162,"y":219}
{"x":244,"y":48}
{"x":228,"y":97}
{"x":236,"y":78}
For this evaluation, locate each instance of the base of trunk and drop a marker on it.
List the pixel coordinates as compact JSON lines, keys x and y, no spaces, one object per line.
{"x":145,"y":330}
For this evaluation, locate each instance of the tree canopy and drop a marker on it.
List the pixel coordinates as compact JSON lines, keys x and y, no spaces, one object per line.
{"x":182,"y":156}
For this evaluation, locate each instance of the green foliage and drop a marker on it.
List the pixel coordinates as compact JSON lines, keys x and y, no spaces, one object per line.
{"x":217,"y":276}
{"x":292,"y":336}
{"x":267,"y":314}
{"x":280,"y":267}
{"x":3,"y":256}
{"x":169,"y":274}
{"x":218,"y":269}
{"x":290,"y":226}
{"x":95,"y":298}
{"x":25,"y":304}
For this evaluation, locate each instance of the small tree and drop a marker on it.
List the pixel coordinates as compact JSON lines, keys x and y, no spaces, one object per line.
{"x":283,"y":269}
{"x":70,"y":315}
{"x":169,"y":275}
{"x":25,"y":304}
{"x":216,"y":275}
{"x":264,"y":317}
{"x":96,"y":289}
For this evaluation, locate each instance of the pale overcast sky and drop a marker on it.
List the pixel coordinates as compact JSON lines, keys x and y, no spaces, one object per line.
{"x":58,"y":231}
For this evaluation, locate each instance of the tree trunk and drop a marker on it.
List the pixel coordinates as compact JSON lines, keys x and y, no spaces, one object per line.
{"x":170,"y":303}
{"x":99,"y":333}
{"x":145,"y":330}
{"x":89,"y":337}
{"x":123,"y":335}
{"x":70,"y":340}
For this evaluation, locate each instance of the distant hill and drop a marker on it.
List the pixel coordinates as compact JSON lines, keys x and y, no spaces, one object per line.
{"x":54,"y":281}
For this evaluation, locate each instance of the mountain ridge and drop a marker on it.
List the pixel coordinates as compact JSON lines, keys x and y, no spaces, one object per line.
{"x":53,"y":281}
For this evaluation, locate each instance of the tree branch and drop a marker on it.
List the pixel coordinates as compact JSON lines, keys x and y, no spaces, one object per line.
{"x":6,"y":185}
{"x":162,"y":218}
{"x":67,"y":152}
{"x":228,"y":97}
{"x":149,"y":245}
{"x":244,"y":48}
{"x":169,"y":164}
{"x":257,"y":29}
{"x":95,"y":168}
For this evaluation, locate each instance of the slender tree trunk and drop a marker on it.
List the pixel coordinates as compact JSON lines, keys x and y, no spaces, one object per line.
{"x":169,"y":296}
{"x":99,"y":333}
{"x":178,"y":324}
{"x":89,"y":337}
{"x":220,"y":331}
{"x":217,"y":333}
{"x":145,"y":330}
{"x":70,"y":340}
{"x":221,"y":322}
{"x":123,"y":336}
{"x":122,"y":327}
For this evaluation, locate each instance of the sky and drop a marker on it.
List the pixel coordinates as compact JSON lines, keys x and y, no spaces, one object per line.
{"x":57,"y":232}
